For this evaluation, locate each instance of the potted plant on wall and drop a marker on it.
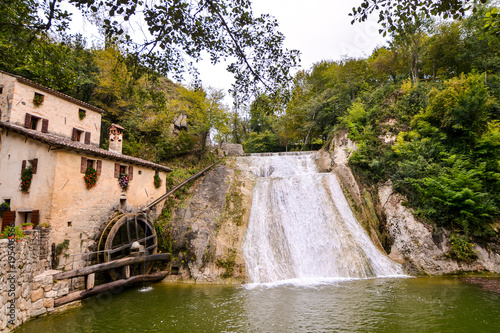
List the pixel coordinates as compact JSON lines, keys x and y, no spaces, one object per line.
{"x":157,"y":180}
{"x":37,"y":100}
{"x":27,"y":226}
{"x":123,"y":180}
{"x":26,"y":177}
{"x":90,"y":177}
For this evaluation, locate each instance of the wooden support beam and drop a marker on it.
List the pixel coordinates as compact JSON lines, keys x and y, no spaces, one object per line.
{"x":126,"y":272}
{"x":111,"y":265}
{"x":90,"y":281}
{"x":78,"y":295}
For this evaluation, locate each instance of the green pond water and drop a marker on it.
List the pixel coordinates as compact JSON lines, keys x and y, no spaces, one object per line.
{"x":374,"y":305}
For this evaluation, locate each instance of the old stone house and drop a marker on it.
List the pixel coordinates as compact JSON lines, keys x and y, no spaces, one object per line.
{"x":58,"y":137}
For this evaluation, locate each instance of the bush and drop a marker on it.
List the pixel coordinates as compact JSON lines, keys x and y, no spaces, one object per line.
{"x":262,"y":142}
{"x":461,"y":248}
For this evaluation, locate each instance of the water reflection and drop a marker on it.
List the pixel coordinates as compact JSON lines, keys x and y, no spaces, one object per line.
{"x":373,"y":305}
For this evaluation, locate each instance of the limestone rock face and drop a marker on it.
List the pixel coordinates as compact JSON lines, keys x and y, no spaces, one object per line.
{"x":418,"y":250}
{"x":408,"y":241}
{"x":207,"y":234}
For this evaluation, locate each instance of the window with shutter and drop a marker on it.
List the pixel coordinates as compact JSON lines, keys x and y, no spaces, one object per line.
{"x":27,"y":120}
{"x":23,"y":165}
{"x":34,"y":165}
{"x":99,"y":167}
{"x":83,"y":165}
{"x":77,"y":134}
{"x":87,"y":138}
{"x":131,"y":172}
{"x":117,"y":170}
{"x":9,"y":218}
{"x":45,"y":125}
{"x":35,"y":217}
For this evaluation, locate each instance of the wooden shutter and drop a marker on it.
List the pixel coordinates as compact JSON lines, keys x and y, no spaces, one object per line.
{"x":75,"y":133}
{"x":27,"y":121}
{"x":8,"y":218}
{"x":117,"y":170}
{"x":45,"y":125}
{"x":34,"y":163}
{"x":23,"y":165}
{"x":99,"y":167}
{"x":131,"y":172}
{"x":87,"y":138}
{"x":35,"y":217}
{"x":83,"y":165}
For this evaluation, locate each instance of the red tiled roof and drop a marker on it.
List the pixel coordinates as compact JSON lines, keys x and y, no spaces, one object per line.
{"x":62,"y":142}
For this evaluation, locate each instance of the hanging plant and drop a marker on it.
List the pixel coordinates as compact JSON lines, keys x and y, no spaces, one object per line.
{"x":123,"y":180}
{"x":37,"y":100}
{"x":26,"y":177}
{"x":4,"y":207}
{"x":157,"y":180}
{"x":81,"y":114}
{"x":90,"y":177}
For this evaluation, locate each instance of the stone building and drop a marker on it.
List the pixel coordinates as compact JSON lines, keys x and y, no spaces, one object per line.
{"x":57,"y":137}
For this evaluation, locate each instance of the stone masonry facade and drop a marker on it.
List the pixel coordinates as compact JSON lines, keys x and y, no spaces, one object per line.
{"x":27,"y":289}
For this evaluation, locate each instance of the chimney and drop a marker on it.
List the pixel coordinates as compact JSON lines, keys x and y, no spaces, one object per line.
{"x":115,"y":138}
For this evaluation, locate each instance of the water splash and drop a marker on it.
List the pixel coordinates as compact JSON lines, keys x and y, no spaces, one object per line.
{"x":302,"y":229}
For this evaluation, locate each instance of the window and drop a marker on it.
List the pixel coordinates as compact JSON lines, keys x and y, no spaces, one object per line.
{"x":82,"y":114}
{"x":1,"y":90}
{"x":128,"y":170}
{"x":79,"y":134}
{"x":38,"y":99}
{"x":33,"y":122}
{"x":29,"y":216}
{"x":87,"y":162}
{"x":123,"y":204}
{"x":30,"y":163}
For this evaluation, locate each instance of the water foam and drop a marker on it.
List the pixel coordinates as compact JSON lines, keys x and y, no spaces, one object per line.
{"x":301,"y":229}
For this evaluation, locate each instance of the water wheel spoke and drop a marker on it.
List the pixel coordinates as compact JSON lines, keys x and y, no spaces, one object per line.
{"x":118,"y":237}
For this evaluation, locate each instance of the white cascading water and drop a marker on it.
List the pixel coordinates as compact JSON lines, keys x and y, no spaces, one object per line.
{"x":301,"y":227}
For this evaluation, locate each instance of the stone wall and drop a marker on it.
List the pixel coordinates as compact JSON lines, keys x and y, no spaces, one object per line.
{"x":26,"y":288}
{"x":232,"y":149}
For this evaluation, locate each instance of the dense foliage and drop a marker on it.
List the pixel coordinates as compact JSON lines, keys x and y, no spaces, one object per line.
{"x":176,"y":35}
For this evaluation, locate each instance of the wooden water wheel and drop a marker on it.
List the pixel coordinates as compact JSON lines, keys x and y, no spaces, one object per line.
{"x":119,"y":235}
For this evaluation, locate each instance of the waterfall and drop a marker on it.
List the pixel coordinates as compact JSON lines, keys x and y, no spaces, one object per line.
{"x":302,"y":228}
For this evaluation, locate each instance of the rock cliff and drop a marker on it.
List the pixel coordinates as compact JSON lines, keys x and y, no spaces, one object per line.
{"x":420,"y":249}
{"x":207,"y":232}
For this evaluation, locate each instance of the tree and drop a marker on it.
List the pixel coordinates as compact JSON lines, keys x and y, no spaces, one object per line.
{"x":205,"y":113}
{"x":410,"y":42}
{"x":180,"y":31}
{"x":396,"y":14}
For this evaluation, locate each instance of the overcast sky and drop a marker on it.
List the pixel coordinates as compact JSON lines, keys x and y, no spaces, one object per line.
{"x":319,"y":29}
